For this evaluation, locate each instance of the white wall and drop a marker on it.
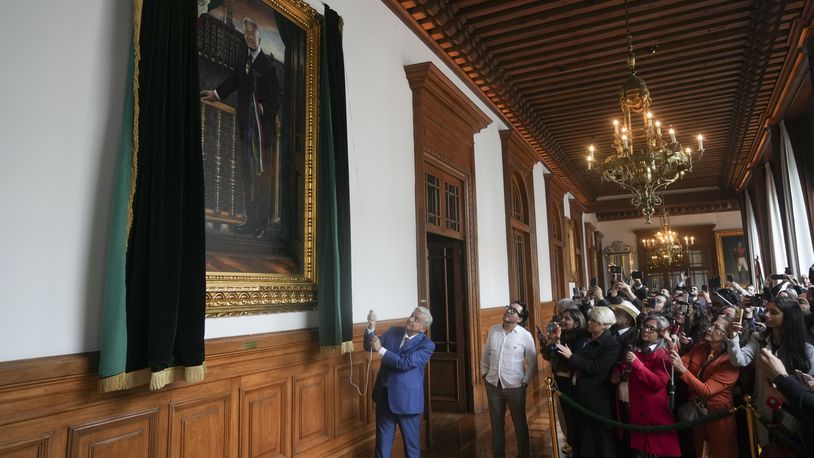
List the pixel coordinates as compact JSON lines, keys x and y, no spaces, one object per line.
{"x":623,"y":229}
{"x":492,"y":250}
{"x":62,"y":90}
{"x":541,"y":220}
{"x":59,"y":128}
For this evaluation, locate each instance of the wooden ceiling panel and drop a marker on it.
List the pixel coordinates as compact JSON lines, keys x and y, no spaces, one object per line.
{"x":554,"y":70}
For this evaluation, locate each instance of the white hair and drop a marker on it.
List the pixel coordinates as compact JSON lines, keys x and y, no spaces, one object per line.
{"x":248,"y":20}
{"x":427,"y":315}
{"x":602,"y":315}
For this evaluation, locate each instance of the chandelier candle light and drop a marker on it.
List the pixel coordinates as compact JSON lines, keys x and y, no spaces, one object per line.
{"x":665,"y":247}
{"x":643,"y":162}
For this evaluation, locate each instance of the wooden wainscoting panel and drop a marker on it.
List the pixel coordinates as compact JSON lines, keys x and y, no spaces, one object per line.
{"x":134,"y":435}
{"x":488,"y":318}
{"x":34,"y":448}
{"x":200,"y":428}
{"x":351,"y":409}
{"x":312,"y":410}
{"x":247,"y":405}
{"x":264,"y":418}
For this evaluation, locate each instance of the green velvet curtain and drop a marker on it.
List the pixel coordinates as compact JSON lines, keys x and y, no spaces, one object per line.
{"x":333,"y":195}
{"x":153,"y":316}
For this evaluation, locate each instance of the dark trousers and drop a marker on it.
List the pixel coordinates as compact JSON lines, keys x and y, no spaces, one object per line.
{"x":516,"y":398}
{"x":386,"y":422}
{"x":256,"y":190}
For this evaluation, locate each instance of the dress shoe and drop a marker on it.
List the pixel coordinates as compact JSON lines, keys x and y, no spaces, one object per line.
{"x":263,"y":234}
{"x":245,"y":228}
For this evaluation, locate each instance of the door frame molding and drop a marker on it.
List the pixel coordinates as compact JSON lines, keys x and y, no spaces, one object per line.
{"x":444,"y":124}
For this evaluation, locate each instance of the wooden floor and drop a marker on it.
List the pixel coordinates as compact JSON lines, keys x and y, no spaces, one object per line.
{"x":469,"y":435}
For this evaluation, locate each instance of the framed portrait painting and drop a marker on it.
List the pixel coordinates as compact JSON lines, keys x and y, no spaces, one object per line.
{"x":733,"y":256}
{"x":258,"y":68}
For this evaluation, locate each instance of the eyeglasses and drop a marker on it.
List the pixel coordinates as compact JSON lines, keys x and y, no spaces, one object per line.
{"x":649,"y":329}
{"x":717,"y":328}
{"x":512,"y":310}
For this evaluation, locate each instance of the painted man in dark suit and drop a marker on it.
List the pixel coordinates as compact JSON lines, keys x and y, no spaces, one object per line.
{"x":399,"y":389}
{"x":258,"y":101}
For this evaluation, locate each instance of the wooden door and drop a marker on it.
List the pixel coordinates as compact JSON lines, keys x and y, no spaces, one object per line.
{"x":446,"y":302}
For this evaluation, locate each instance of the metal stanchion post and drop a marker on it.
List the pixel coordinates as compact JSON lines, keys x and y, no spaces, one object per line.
{"x":750,"y":424}
{"x":552,"y":415}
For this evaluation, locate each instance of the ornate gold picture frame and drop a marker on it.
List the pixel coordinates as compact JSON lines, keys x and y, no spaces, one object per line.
{"x":732,"y":253}
{"x":258,"y":77}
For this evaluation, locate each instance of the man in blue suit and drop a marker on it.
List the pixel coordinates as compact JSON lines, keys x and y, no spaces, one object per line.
{"x":399,"y":389}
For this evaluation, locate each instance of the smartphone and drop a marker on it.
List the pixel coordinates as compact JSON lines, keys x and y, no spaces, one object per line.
{"x":551,"y":327}
{"x":778,"y":277}
{"x":575,"y":292}
{"x":593,"y":282}
{"x":738,"y":315}
{"x":787,"y":271}
{"x":705,"y":288}
{"x":730,"y":278}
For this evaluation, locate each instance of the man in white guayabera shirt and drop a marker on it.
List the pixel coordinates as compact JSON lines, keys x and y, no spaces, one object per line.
{"x":509,"y":362}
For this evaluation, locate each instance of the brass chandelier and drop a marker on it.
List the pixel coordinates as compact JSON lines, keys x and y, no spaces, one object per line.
{"x":643,"y":161}
{"x":666,"y":248}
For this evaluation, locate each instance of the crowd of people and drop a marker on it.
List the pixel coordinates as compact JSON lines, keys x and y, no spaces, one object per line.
{"x":657,"y":358}
{"x":650,"y":359}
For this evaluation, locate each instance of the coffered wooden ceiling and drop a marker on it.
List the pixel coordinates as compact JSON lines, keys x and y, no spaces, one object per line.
{"x":554,"y":70}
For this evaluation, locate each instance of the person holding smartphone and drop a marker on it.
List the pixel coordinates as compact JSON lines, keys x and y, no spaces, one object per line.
{"x":566,"y":331}
{"x":797,"y":390}
{"x":710,"y":377}
{"x":785,"y":337}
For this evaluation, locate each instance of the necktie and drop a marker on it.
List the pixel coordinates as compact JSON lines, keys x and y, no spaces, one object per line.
{"x":404,"y":341}
{"x":248,"y":63}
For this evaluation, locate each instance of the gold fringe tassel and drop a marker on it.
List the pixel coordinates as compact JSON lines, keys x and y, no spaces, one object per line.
{"x":156,"y":380}
{"x":341,"y":349}
{"x":137,"y":8}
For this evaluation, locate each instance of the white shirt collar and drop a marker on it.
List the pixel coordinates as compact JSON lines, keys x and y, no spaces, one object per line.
{"x":623,"y":330}
{"x":254,"y":53}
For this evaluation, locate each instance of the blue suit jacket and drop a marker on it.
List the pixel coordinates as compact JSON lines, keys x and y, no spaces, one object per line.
{"x":402,"y":370}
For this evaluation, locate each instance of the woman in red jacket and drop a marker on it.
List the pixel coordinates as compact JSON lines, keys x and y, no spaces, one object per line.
{"x":647,"y":385}
{"x":710,"y":375}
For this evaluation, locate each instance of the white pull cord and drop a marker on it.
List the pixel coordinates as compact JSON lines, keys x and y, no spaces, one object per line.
{"x":367,"y":373}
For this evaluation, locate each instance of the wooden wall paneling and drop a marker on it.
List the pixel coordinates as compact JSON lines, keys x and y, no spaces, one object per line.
{"x":577,"y":210}
{"x":556,"y":236}
{"x":518,"y":161}
{"x":265,"y":416}
{"x":444,"y":123}
{"x":200,"y":428}
{"x":245,"y":407}
{"x":351,"y":409}
{"x":31,"y":448}
{"x":134,"y":435}
{"x":313,"y":410}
